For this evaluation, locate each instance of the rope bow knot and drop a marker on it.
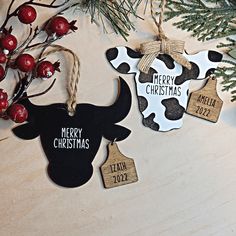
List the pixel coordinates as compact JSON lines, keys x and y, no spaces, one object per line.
{"x":151,"y":50}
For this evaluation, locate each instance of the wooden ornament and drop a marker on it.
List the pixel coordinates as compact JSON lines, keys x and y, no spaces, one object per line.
{"x":163,"y":93}
{"x":71,"y":142}
{"x":205,"y":103}
{"x":118,"y":169}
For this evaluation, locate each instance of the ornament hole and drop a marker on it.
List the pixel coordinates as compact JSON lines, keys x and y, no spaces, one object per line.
{"x":71,"y":113}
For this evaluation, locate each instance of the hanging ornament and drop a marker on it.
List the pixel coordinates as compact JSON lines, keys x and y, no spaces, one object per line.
{"x":118,"y":169}
{"x":206,"y":103}
{"x":71,"y":133}
{"x":163,"y":71}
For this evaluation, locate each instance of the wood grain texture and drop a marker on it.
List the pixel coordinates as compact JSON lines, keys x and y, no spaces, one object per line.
{"x":118,"y":169}
{"x":187,"y":177}
{"x":206,"y":103}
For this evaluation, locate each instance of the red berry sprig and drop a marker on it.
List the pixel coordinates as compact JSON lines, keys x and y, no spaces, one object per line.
{"x":8,"y":43}
{"x":27,"y":14}
{"x":3,"y":105}
{"x":17,"y":113}
{"x":60,"y":26}
{"x":3,"y":101}
{"x":25,"y":62}
{"x":14,"y":56}
{"x":46,"y":69}
{"x":3,"y":58}
{"x":3,"y":95}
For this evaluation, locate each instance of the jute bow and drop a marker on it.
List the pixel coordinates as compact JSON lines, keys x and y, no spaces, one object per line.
{"x":151,"y":50}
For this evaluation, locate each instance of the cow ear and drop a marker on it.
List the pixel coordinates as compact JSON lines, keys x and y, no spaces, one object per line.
{"x":123,"y":59}
{"x":26,"y":131}
{"x":203,"y":63}
{"x":115,"y":132}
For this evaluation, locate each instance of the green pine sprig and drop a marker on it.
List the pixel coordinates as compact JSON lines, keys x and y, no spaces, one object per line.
{"x":216,"y":19}
{"x":210,"y":19}
{"x":228,"y":73}
{"x":229,"y":76}
{"x":115,"y":13}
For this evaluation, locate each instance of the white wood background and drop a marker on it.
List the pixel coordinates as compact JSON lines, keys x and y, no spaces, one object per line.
{"x":187,"y":177}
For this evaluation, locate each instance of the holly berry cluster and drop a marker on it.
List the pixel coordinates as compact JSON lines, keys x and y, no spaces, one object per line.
{"x":16,"y":112}
{"x":17,"y":58}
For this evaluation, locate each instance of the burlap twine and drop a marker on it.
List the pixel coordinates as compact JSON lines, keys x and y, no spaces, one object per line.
{"x":72,"y":85}
{"x":162,"y":45}
{"x":73,"y":81}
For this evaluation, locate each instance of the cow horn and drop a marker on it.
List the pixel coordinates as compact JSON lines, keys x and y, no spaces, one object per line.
{"x":120,"y":109}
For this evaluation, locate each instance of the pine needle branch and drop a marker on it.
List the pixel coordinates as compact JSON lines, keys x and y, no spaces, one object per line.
{"x":229,"y":82}
{"x":210,"y":19}
{"x":116,"y":12}
{"x":206,"y":21}
{"x":228,"y":73}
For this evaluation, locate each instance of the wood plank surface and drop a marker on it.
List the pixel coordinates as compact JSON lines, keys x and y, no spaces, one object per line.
{"x":187,"y":177}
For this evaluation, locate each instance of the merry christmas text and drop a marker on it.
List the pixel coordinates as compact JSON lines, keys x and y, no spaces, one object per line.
{"x":163,"y":85}
{"x":71,"y":138}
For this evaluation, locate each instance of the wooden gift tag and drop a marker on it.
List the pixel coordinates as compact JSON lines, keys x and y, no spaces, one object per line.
{"x":118,"y":169}
{"x":205,"y":103}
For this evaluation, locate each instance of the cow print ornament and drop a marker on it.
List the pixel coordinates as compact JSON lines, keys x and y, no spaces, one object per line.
{"x":163,"y":92}
{"x":71,"y":142}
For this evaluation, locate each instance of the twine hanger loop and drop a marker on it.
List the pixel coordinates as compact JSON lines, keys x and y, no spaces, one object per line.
{"x":72,"y":85}
{"x":162,"y":45}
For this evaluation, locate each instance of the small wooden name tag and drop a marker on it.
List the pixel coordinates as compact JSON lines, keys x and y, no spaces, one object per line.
{"x":205,"y":103}
{"x":118,"y":169}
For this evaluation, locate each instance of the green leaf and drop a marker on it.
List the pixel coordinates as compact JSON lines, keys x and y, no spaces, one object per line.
{"x":232,"y":53}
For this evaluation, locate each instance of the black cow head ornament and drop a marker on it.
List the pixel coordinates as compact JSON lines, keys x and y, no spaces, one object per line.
{"x":71,"y":142}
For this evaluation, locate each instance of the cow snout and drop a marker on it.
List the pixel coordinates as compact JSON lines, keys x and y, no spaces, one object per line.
{"x":70,"y":176}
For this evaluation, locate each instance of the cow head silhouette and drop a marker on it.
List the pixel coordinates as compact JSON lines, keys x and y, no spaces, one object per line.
{"x":71,"y":142}
{"x":163,"y":92}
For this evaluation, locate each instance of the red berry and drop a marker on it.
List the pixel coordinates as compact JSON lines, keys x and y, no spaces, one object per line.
{"x":3,"y":58}
{"x":9,"y":42}
{"x":3,"y":95}
{"x":45,"y":69}
{"x":2,"y":73}
{"x":17,"y":113}
{"x":3,"y":105}
{"x":60,"y":26}
{"x":25,"y":62}
{"x":27,"y":14}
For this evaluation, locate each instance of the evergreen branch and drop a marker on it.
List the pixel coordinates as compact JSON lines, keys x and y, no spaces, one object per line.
{"x":117,"y":13}
{"x":205,"y":22}
{"x":231,"y":44}
{"x":228,"y":73}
